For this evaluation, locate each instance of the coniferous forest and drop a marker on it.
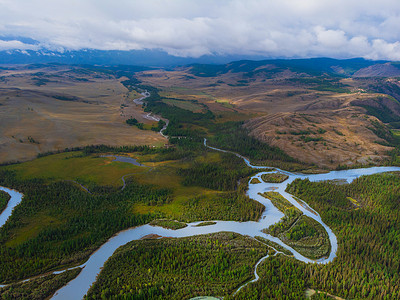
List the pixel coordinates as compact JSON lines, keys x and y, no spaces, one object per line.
{"x":77,"y":198}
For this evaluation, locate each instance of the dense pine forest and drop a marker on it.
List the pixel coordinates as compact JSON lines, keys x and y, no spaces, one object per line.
{"x":367,"y":264}
{"x":38,"y":288}
{"x":4,"y":197}
{"x":218,"y":176}
{"x":78,"y":223}
{"x":59,"y":223}
{"x":179,"y":268}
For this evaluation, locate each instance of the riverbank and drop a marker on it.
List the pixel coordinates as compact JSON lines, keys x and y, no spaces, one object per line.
{"x":78,"y":287}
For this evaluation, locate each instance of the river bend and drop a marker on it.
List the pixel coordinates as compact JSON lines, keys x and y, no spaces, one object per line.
{"x":78,"y":287}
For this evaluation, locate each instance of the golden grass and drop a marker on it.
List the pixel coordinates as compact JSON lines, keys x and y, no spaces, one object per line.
{"x":354,"y":202}
{"x":134,"y":95}
{"x":105,"y":171}
{"x":96,"y":117}
{"x":188,"y":105}
{"x":269,"y":106}
{"x":69,"y":166}
{"x":255,"y":181}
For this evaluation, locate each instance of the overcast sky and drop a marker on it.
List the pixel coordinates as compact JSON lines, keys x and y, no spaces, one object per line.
{"x":271,"y":28}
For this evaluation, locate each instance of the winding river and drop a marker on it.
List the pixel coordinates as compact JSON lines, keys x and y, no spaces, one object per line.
{"x":78,"y":287}
{"x":15,"y":199}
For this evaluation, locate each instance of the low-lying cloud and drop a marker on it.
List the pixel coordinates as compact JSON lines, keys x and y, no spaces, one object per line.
{"x":285,"y":28}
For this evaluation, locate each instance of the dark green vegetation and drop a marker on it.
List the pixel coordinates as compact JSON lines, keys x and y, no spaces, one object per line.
{"x":38,"y":288}
{"x":322,"y":83}
{"x":170,"y":224}
{"x":280,"y":278}
{"x":291,"y":213}
{"x":64,"y":224}
{"x":160,"y":125}
{"x":234,"y":206}
{"x":222,"y":176}
{"x":314,"y":66}
{"x":308,"y":237}
{"x":4,"y":198}
{"x":182,"y":122}
{"x":274,"y":245}
{"x":302,"y":233}
{"x":59,"y":223}
{"x":367,"y":264}
{"x":134,"y":122}
{"x":274,"y":177}
{"x":233,"y":137}
{"x":215,"y":264}
{"x":207,"y":223}
{"x":255,"y":181}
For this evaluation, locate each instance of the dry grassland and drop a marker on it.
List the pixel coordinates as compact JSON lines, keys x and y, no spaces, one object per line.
{"x":65,"y":108}
{"x":279,"y":105}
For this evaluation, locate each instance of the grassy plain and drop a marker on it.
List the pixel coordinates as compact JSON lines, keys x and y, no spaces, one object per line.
{"x":76,"y":166}
{"x":188,"y":105}
{"x":189,"y":202}
{"x":69,"y":107}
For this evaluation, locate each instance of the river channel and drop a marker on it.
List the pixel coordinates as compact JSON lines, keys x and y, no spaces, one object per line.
{"x":78,"y":287}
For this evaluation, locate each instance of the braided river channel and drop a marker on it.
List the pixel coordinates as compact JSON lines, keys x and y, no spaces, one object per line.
{"x":78,"y":287}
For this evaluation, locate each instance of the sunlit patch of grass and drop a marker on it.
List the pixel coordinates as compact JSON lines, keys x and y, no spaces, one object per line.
{"x":232,"y":116}
{"x":210,"y":157}
{"x":225,"y":103}
{"x":274,"y":177}
{"x":32,"y":229}
{"x":74,"y":166}
{"x":170,"y":224}
{"x":355,"y":202}
{"x":255,"y":181}
{"x":188,"y":105}
{"x":181,"y":196}
{"x":134,"y":95}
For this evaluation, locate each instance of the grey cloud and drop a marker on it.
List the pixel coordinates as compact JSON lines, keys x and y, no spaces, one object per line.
{"x":285,"y":28}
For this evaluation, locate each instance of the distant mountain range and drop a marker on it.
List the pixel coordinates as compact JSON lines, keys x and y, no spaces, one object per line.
{"x":208,"y":65}
{"x":357,"y":67}
{"x":148,"y":58}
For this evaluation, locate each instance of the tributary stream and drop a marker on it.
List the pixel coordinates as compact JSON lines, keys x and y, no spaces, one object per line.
{"x":78,"y":287}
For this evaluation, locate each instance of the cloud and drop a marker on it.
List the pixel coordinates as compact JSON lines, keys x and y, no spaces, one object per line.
{"x":15,"y":44}
{"x":285,"y":28}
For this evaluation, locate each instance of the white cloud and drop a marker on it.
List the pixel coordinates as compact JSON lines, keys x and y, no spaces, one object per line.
{"x":330,"y":38}
{"x":382,"y":48}
{"x":284,"y":28}
{"x":14,"y":44}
